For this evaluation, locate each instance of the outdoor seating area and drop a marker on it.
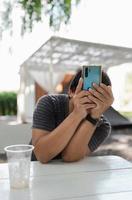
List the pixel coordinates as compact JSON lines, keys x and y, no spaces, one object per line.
{"x":12,"y":132}
{"x":65,"y":100}
{"x":40,"y":74}
{"x":58,"y":56}
{"x":118,"y":143}
{"x":94,"y":178}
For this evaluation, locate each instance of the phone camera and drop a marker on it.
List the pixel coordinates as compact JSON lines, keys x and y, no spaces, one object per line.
{"x":86,"y":72}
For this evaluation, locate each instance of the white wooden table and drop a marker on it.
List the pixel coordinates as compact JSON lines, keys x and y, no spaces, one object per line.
{"x":94,"y":178}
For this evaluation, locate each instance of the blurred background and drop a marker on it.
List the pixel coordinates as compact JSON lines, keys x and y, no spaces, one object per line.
{"x":42,"y":45}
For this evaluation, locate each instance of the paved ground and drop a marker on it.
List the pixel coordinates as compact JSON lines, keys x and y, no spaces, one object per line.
{"x":12,"y":132}
{"x":119,"y":143}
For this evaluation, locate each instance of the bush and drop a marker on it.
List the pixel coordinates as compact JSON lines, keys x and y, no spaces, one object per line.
{"x":127,"y":114}
{"x":8,"y":103}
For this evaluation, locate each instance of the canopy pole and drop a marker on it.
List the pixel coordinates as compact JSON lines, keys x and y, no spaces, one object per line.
{"x":51,"y":69}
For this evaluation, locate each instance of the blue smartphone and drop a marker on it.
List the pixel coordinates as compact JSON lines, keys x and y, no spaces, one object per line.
{"x":91,"y":74}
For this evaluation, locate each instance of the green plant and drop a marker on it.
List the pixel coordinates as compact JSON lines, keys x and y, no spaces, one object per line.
{"x":34,"y":11}
{"x":127,"y":114}
{"x":8,"y":103}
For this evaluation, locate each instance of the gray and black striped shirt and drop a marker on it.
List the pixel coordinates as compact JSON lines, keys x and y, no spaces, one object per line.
{"x":51,"y":110}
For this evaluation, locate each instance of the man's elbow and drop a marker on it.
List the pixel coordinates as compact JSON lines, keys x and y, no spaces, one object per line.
{"x":42,"y":158}
{"x":72,"y":158}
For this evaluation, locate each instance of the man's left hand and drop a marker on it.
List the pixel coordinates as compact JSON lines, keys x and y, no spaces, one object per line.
{"x":102,"y":96}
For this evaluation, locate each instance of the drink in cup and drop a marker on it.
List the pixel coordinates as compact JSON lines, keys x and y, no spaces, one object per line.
{"x":19,"y":158}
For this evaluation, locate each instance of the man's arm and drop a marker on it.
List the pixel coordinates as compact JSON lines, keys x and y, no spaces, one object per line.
{"x":102,"y":132}
{"x":86,"y":140}
{"x":78,"y":146}
{"x":48,"y":144}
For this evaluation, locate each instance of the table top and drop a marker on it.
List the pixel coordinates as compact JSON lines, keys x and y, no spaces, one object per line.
{"x":93,"y":178}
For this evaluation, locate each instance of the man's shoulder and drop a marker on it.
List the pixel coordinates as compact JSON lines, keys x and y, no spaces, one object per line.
{"x":43,"y":99}
{"x":58,"y":97}
{"x":52,"y":98}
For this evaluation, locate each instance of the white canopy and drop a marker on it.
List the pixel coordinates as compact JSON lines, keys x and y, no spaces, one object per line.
{"x":58,"y":55}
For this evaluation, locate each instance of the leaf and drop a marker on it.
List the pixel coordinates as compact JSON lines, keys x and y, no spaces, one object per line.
{"x":58,"y":11}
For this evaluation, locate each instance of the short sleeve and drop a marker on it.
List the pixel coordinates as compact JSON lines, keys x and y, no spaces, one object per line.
{"x":43,"y":116}
{"x":102,"y":131}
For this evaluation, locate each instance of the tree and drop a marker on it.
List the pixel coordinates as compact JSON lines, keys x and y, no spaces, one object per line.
{"x":34,"y":11}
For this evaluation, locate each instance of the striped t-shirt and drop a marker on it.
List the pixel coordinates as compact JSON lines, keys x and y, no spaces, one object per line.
{"x":51,"y":110}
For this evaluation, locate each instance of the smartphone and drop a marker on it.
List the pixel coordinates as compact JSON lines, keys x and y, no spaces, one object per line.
{"x":91,"y":74}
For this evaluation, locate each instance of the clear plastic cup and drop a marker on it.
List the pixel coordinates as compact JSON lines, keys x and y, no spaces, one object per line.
{"x":19,"y":159}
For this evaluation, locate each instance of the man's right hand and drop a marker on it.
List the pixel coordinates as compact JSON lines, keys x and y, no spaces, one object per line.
{"x":81,"y":102}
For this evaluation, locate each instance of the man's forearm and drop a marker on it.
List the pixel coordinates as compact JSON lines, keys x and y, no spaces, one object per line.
{"x":77,"y":148}
{"x":53,"y":143}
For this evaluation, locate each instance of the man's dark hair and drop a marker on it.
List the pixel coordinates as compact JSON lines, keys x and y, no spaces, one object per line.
{"x":74,"y":82}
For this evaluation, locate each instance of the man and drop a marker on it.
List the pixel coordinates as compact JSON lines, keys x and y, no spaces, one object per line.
{"x":71,"y":126}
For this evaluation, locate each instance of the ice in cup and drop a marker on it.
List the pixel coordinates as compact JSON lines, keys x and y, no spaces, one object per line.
{"x":19,"y":159}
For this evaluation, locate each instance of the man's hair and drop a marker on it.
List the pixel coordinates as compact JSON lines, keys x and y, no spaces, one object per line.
{"x":74,"y":82}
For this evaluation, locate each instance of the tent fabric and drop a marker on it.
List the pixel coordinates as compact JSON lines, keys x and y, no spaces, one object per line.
{"x":116,"y":119}
{"x":60,"y":55}
{"x":46,"y":80}
{"x":68,"y":54}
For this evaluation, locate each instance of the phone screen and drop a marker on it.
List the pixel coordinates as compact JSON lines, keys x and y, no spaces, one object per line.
{"x":91,"y":74}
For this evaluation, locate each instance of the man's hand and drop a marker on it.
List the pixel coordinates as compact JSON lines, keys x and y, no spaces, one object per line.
{"x":81,"y":102}
{"x":102,"y":96}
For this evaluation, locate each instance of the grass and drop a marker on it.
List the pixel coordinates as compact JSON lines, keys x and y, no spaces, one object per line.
{"x":127,"y":114}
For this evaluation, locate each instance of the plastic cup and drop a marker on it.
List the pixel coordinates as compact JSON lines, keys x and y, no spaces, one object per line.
{"x":19,"y":159}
